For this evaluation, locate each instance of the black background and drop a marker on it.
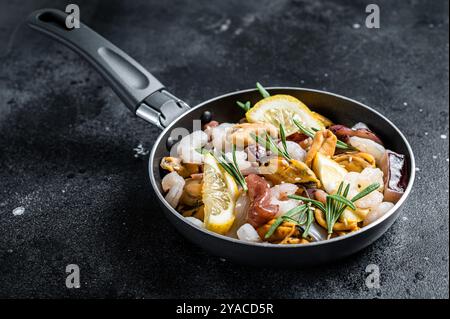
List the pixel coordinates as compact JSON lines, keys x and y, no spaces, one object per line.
{"x":66,"y":142}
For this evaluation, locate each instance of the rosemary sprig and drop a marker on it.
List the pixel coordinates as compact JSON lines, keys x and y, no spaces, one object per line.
{"x":337,"y":203}
{"x":312,"y":132}
{"x":262,"y":90}
{"x":230,"y":167}
{"x":289,"y":215}
{"x":270,"y":144}
{"x":301,"y":215}
{"x":245,"y":106}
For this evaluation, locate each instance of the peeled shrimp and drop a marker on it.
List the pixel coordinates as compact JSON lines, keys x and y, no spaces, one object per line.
{"x":279,"y":197}
{"x":187,"y":147}
{"x":377,"y":212}
{"x":359,"y":181}
{"x":294,"y":150}
{"x":197,"y":222}
{"x":247,"y":233}
{"x":241,"y":160}
{"x":368,"y":146}
{"x":173,"y":183}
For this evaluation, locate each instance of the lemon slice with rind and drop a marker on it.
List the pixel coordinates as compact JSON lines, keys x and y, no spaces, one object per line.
{"x":219,"y":193}
{"x":330,"y":173}
{"x":282,"y":109}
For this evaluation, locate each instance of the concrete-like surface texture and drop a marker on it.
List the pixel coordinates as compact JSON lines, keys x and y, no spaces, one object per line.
{"x":66,"y":142}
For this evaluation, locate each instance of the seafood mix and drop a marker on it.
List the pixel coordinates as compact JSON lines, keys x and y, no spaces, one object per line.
{"x":282,"y":175}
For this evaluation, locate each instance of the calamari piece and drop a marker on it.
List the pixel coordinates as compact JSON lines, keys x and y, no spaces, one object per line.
{"x":280,"y":171}
{"x":324,"y":142}
{"x":294,"y":150}
{"x":368,"y":146}
{"x":173,"y":184}
{"x":355,"y":162}
{"x":247,"y":233}
{"x":241,"y":134}
{"x":260,"y":210}
{"x":344,"y":133}
{"x":395,"y":175}
{"x":173,"y":164}
{"x":378,"y":212}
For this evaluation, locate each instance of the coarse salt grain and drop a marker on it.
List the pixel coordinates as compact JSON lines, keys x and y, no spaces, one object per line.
{"x":18,"y":211}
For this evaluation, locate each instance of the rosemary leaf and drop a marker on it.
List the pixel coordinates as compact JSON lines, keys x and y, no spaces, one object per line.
{"x":262,"y":90}
{"x":280,"y":220}
{"x":366,"y":191}
{"x":342,"y":200}
{"x":245,"y":106}
{"x":309,"y":221}
{"x":316,"y":203}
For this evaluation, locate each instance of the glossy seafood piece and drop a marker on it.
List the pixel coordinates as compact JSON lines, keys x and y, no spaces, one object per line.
{"x":279,"y":196}
{"x":241,"y":134}
{"x":260,"y":210}
{"x":173,"y":164}
{"x":368,"y":146}
{"x":355,"y":162}
{"x":280,"y":171}
{"x":344,"y":133}
{"x":247,"y":233}
{"x":192,"y":193}
{"x":173,"y":184}
{"x":395,"y":175}
{"x":324,"y":142}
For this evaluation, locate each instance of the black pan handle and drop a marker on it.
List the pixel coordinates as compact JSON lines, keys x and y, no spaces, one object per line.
{"x":139,"y":90}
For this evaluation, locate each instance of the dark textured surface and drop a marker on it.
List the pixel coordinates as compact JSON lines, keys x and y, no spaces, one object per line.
{"x":66,"y":143}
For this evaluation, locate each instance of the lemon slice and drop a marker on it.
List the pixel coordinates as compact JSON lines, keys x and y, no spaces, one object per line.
{"x":219,"y":193}
{"x":330,"y":173}
{"x":282,"y":109}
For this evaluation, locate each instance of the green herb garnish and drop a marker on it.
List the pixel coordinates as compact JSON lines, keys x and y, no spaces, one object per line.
{"x":245,"y":106}
{"x":312,"y":132}
{"x":269,"y":143}
{"x":230,"y":167}
{"x":301,"y":215}
{"x":262,"y":90}
{"x":337,"y":203}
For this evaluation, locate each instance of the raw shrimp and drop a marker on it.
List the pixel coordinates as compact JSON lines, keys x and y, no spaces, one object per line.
{"x":241,"y":159}
{"x":368,"y":146}
{"x":279,"y":196}
{"x":187,"y":147}
{"x":247,"y":233}
{"x":173,"y":183}
{"x":377,"y":212}
{"x":195,"y":221}
{"x":359,"y":181}
{"x":294,"y":150}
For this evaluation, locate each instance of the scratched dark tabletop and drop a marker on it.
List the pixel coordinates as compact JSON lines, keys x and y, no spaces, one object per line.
{"x":67,"y":143}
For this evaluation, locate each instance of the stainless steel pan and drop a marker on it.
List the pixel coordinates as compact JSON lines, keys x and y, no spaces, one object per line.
{"x":146,"y":97}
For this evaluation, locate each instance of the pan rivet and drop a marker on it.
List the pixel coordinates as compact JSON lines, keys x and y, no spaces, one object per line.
{"x":206,"y":117}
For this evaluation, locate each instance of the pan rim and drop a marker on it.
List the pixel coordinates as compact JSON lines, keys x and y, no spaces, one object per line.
{"x":361,"y":231}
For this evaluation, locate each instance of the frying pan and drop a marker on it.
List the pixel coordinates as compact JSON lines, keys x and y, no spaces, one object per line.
{"x":146,"y":97}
